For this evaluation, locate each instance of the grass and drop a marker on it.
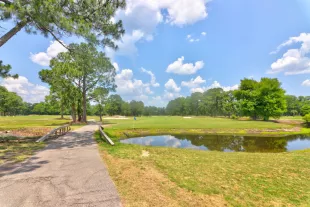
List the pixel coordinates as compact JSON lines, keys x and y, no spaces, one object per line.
{"x":182,"y":177}
{"x":200,"y":125}
{"x":17,"y":150}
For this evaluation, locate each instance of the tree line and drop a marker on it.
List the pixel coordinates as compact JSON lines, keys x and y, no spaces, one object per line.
{"x":257,"y":99}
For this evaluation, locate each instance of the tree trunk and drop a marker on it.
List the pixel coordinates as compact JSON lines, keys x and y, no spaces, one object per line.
{"x":84,"y":119}
{"x":100,"y":112}
{"x":62,"y":111}
{"x":73,"y":113}
{"x":12,"y":32}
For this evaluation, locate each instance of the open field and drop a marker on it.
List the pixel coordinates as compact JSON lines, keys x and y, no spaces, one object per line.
{"x":158,"y":176}
{"x":202,"y":125}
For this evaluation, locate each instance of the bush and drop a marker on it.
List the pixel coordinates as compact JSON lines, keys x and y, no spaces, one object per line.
{"x":234,"y":116}
{"x":306,"y":118}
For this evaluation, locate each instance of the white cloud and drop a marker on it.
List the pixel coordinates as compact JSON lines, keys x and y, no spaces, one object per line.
{"x":193,"y":83}
{"x":306,"y":83}
{"x":293,"y":61}
{"x":130,"y":88}
{"x":32,"y":93}
{"x":171,"y":86}
{"x":153,"y":78}
{"x":178,"y":67}
{"x":43,"y":58}
{"x":127,"y":45}
{"x":194,"y":40}
{"x":188,"y":36}
{"x":144,"y":16}
{"x":215,"y":84}
{"x":203,"y":33}
{"x":116,"y":66}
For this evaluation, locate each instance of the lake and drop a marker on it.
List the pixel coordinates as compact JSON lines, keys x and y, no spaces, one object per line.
{"x":224,"y":143}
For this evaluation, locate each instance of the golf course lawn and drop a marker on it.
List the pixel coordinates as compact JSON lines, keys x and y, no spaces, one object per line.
{"x":199,"y":125}
{"x":160,"y":176}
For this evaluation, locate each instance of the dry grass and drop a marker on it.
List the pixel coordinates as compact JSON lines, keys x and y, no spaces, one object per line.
{"x":180,"y":177}
{"x":140,"y":184}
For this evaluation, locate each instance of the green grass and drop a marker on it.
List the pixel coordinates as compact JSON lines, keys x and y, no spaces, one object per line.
{"x":16,"y":150}
{"x":200,"y":125}
{"x":17,"y":122}
{"x":184,"y":177}
{"x":176,"y":122}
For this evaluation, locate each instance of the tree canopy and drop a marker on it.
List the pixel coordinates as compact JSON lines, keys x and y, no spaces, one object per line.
{"x":90,"y":19}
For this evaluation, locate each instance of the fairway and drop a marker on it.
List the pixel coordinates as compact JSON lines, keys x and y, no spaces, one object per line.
{"x":177,"y":122}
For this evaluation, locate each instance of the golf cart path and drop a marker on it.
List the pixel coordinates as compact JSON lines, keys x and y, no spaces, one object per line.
{"x":68,"y":172}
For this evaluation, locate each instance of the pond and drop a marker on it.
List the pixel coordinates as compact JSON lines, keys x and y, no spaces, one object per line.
{"x":225,"y":143}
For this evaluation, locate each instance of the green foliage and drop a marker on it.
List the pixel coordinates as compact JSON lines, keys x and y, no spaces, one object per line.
{"x":305,"y":109}
{"x":261,"y":99}
{"x":10,"y":102}
{"x":306,"y":118}
{"x":90,"y":19}
{"x":136,"y":108}
{"x":5,"y":71}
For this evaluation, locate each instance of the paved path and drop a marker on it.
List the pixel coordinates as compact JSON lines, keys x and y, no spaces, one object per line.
{"x":69,"y":172}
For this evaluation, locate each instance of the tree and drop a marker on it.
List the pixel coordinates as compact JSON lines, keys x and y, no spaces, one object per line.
{"x":248,"y":97}
{"x":306,"y":118}
{"x":261,"y":99}
{"x":5,"y":71}
{"x":271,"y":102}
{"x":305,"y":109}
{"x":94,"y":70}
{"x":78,"y":73}
{"x":99,"y":95}
{"x":136,"y":108}
{"x":114,"y":105}
{"x":90,"y":19}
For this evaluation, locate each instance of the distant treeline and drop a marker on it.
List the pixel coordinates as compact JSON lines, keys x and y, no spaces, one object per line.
{"x":257,"y":99}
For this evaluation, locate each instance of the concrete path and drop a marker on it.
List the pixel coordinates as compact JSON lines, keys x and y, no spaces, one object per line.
{"x":68,"y":172}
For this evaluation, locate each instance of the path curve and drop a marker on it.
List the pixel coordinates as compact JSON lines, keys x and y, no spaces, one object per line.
{"x":68,"y":172}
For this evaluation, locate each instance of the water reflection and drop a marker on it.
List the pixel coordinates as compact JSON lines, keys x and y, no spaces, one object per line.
{"x":225,"y":143}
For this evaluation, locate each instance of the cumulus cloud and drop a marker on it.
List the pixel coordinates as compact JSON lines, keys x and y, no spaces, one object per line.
{"x":153,"y":78}
{"x":306,"y":83}
{"x":43,"y":58}
{"x":133,"y":89}
{"x":144,"y":16}
{"x":193,"y":82}
{"x":172,"y":86}
{"x":215,"y":84}
{"x":203,"y":33}
{"x":32,"y":93}
{"x":127,"y":45}
{"x":178,"y":67}
{"x":294,"y":61}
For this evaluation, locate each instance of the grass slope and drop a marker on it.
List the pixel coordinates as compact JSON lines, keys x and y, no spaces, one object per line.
{"x":180,"y":177}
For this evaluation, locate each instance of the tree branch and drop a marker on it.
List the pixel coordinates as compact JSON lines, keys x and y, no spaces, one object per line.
{"x":6,"y":2}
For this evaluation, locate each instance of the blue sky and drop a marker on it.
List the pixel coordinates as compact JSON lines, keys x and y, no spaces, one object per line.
{"x":185,"y":46}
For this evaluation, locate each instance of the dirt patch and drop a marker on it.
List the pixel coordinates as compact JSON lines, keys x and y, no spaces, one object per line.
{"x":141,"y":184}
{"x":28,"y":132}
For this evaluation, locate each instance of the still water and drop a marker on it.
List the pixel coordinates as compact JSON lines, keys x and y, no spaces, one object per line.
{"x":225,"y":143}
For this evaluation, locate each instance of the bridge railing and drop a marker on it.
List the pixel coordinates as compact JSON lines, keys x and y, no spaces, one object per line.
{"x":56,"y":132}
{"x":103,"y":135}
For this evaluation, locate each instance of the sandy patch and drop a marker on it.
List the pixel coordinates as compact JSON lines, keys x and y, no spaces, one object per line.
{"x":145,"y":153}
{"x":187,"y":117}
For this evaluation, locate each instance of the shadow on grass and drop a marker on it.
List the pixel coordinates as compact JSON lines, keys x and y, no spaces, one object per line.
{"x":30,"y":165}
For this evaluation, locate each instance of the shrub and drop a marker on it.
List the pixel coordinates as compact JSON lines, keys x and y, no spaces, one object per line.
{"x":306,"y":118}
{"x":234,"y":116}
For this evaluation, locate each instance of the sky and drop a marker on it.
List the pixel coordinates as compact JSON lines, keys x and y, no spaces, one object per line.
{"x":172,"y":48}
